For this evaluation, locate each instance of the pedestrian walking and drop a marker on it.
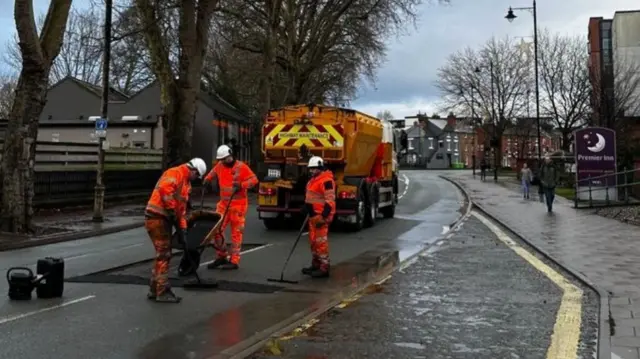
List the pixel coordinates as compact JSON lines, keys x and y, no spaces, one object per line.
{"x":234,"y":178}
{"x":549,"y":177}
{"x":526,"y":177}
{"x":166,"y":208}
{"x":483,"y":169}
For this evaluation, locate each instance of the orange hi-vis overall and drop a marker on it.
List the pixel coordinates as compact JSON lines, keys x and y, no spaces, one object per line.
{"x":166,"y":207}
{"x":321,"y":200}
{"x":242,"y":176}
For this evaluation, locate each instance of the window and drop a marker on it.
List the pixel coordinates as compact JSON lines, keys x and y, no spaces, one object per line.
{"x":606,"y":43}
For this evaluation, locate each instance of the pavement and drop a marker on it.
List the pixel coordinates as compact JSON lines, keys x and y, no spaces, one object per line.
{"x":62,"y":225}
{"x":474,"y":294}
{"x":603,"y":251}
{"x":209,"y":323}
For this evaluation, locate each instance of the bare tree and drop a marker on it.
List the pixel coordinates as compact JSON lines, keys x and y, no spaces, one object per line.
{"x":130,"y":60}
{"x":8,"y":84}
{"x":499,"y":88}
{"x":38,"y":55}
{"x":81,"y":53}
{"x":385,"y":115}
{"x":179,"y":88}
{"x":564,"y":81}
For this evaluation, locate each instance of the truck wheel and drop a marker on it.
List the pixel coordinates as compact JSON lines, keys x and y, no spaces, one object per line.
{"x":361,"y":210}
{"x":371,"y":209}
{"x":389,"y":211}
{"x":272,"y":223}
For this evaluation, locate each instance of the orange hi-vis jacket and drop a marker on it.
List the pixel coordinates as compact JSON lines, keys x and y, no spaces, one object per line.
{"x":239,"y":174}
{"x":169,"y":198}
{"x":321,"y":195}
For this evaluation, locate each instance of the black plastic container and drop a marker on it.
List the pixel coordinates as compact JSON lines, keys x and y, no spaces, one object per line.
{"x":21,"y":282}
{"x":52,"y":283}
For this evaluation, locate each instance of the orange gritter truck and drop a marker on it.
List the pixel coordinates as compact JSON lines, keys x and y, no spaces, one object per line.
{"x":359,"y":149}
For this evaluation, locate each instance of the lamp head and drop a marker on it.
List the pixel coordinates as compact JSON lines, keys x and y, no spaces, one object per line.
{"x":510,"y":15}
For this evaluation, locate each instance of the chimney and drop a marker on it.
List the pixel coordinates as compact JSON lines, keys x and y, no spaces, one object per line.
{"x":451,"y":120}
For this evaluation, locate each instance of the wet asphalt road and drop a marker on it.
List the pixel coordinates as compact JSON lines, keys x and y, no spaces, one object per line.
{"x":116,"y":321}
{"x":468,"y":297}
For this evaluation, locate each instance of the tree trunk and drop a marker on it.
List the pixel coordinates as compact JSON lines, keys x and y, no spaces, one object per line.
{"x":19,"y":149}
{"x":178,"y":92}
{"x":565,"y":140}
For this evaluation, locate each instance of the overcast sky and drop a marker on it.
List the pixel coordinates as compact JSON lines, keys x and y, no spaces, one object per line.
{"x":405,"y":83}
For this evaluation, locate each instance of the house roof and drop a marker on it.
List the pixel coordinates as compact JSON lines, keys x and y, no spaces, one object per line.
{"x":222,"y":107}
{"x":114,"y":95}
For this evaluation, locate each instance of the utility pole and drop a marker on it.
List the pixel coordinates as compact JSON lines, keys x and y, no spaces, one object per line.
{"x":98,"y":200}
{"x":498,"y":141}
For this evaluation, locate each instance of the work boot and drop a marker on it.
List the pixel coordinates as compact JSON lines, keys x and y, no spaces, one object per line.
{"x":217,"y":263}
{"x":309,"y":270}
{"x":319,"y":273}
{"x":168,"y":297}
{"x":229,"y":266}
{"x":152,"y":290}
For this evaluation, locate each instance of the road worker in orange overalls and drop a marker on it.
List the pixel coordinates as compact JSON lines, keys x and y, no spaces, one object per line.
{"x":166,"y":208}
{"x":234,"y":178}
{"x":320,"y":206}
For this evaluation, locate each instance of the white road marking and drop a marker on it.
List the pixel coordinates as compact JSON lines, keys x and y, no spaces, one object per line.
{"x":29,"y":314}
{"x":406,"y":186}
{"x":243,"y":252}
{"x":104,"y":251}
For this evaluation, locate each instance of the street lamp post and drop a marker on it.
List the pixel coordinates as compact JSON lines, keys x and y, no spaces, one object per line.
{"x":475,"y":142}
{"x":98,"y":199}
{"x":511,"y":16}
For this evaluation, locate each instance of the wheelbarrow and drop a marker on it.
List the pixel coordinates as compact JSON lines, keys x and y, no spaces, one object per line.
{"x":203,"y":225}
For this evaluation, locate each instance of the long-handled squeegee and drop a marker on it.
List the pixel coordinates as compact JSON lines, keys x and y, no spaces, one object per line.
{"x":293,"y":248}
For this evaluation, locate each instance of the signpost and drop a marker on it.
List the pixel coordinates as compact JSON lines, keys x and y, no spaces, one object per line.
{"x":595,"y":156}
{"x":101,"y":127}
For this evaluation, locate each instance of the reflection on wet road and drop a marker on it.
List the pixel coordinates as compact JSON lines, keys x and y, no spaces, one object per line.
{"x":470,"y":296}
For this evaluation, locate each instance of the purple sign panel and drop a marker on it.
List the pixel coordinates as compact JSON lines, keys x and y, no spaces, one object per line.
{"x":595,"y":155}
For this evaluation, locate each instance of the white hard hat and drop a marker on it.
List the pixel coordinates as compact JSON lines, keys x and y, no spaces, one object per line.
{"x":315,"y":162}
{"x":199,"y":165}
{"x":223,"y":151}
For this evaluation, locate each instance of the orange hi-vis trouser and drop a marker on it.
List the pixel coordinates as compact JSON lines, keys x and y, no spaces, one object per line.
{"x":159,"y":230}
{"x":319,"y":242}
{"x":236,"y":218}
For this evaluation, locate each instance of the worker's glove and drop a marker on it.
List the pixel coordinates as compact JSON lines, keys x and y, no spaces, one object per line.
{"x":321,"y":223}
{"x":236,"y":187}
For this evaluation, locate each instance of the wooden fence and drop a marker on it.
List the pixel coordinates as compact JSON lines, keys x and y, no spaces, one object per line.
{"x":59,"y":156}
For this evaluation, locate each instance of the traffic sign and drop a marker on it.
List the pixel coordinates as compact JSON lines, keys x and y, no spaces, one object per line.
{"x":101,"y":133}
{"x":101,"y":124}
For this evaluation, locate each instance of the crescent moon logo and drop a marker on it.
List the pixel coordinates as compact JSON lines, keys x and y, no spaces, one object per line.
{"x":599,"y":146}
